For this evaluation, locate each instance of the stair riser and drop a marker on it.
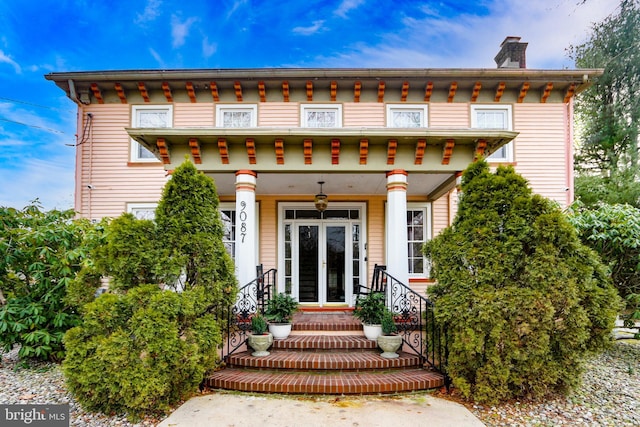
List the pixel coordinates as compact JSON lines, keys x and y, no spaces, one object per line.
{"x":323,"y":362}
{"x":319,"y":384}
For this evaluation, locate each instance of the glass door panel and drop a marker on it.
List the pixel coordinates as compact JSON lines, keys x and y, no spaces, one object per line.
{"x":335,"y":241}
{"x":308,"y":272}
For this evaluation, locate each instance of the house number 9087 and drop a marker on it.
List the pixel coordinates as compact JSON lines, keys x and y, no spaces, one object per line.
{"x":243,"y":220}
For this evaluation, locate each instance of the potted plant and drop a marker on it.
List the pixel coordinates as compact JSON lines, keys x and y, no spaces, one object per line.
{"x":389,"y":341}
{"x":260,"y":340}
{"x":369,"y":309}
{"x":279,"y":313}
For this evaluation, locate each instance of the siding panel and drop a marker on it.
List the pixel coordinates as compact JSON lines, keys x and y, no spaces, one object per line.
{"x":446,"y":115}
{"x":193,"y":115}
{"x":366,"y":114}
{"x":541,"y":148}
{"x":279,"y":114}
{"x":104,"y":158}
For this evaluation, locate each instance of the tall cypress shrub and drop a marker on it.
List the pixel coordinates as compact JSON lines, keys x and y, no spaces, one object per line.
{"x":523,"y":300}
{"x":143,"y":347}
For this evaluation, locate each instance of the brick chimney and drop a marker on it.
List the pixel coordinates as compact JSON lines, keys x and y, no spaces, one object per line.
{"x":512,"y":53}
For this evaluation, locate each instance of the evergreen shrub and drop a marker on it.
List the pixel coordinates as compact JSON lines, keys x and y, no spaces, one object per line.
{"x":524,"y":301}
{"x":143,"y":347}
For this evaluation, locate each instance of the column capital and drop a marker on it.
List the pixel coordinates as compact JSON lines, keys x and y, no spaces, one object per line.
{"x":246,"y":180}
{"x":397,"y":180}
{"x":247,"y":172}
{"x":397,"y":172}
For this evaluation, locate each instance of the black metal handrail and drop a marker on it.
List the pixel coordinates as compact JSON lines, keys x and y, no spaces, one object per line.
{"x":252,"y":298}
{"x":415,"y":320}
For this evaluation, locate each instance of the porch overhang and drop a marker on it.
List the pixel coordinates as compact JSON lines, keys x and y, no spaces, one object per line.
{"x":343,"y":150}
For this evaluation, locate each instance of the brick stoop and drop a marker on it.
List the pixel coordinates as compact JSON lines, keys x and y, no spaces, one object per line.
{"x":316,"y":361}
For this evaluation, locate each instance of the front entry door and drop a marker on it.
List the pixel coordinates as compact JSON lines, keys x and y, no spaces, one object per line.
{"x":322,"y":262}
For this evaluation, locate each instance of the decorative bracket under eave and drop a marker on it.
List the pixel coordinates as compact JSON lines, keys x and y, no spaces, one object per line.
{"x":163,"y":148}
{"x":194,"y":144}
{"x":481,"y":146}
{"x":224,"y":151}
{"x":447,"y":151}
{"x":421,"y":145}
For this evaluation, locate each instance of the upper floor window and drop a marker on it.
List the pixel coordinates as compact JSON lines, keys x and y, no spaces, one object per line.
{"x":494,"y":117}
{"x":321,"y":116}
{"x":233,"y":116}
{"x":407,"y":116}
{"x":148,"y":116}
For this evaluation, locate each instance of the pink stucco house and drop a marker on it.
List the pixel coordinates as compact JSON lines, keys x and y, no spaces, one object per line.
{"x":386,"y":147}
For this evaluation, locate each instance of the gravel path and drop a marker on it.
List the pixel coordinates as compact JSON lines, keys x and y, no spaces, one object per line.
{"x":610,"y":395}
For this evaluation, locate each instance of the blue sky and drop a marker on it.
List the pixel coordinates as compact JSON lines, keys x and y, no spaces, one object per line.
{"x":37,"y":121}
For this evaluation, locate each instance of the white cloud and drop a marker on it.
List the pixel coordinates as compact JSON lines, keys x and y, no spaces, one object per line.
{"x":208,"y":49}
{"x":346,"y":6}
{"x":7,"y":60}
{"x":236,"y":5}
{"x":472,"y":41}
{"x":151,"y":11}
{"x":49,"y":180}
{"x":180,"y":30}
{"x":307,"y":31}
{"x":158,"y":58}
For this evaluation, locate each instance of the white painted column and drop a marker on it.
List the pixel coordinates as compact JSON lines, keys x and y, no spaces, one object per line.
{"x":246,"y":239}
{"x":397,"y":243}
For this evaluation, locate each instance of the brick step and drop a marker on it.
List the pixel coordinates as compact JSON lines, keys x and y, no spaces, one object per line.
{"x":336,"y":320}
{"x":324,"y":383}
{"x":338,"y":361}
{"x":325,"y":342}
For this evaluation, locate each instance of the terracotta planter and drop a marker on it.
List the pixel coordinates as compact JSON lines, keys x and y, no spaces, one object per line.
{"x":260,"y":343}
{"x":389,"y":345}
{"x":280,"y":331}
{"x":372,"y":332}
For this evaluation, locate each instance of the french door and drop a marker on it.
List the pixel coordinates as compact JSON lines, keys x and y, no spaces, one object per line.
{"x":321,"y":255}
{"x":322,"y":259}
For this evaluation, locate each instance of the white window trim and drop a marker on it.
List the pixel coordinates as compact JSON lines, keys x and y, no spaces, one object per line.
{"x":426,"y":206}
{"x":221,"y":108}
{"x":231,"y":206}
{"x":509,"y":113}
{"x":134,"y":123}
{"x":320,"y":107}
{"x":131,"y":207}
{"x":411,"y":107}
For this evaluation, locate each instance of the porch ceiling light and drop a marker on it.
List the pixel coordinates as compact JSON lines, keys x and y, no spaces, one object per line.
{"x":320,"y":200}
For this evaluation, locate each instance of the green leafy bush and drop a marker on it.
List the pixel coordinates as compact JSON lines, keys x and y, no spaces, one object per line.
{"x":614,"y":232}
{"x":140,"y":352}
{"x":129,"y":255}
{"x":258,"y":324}
{"x":281,"y":308}
{"x":143,"y":348}
{"x":41,"y":254}
{"x":523,"y":299}
{"x":388,"y":323}
{"x":370,"y":308}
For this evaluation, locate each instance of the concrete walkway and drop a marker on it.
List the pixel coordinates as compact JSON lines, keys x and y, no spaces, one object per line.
{"x":233,"y":409}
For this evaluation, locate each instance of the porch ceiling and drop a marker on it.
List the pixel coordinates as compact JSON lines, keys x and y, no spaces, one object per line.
{"x":304,"y":150}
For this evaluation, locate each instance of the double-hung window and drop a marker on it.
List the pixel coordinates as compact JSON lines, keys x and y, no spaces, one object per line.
{"x":406,"y":116}
{"x":233,"y":116}
{"x":148,"y":116}
{"x":321,"y":116}
{"x":494,"y":117}
{"x":418,"y":232}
